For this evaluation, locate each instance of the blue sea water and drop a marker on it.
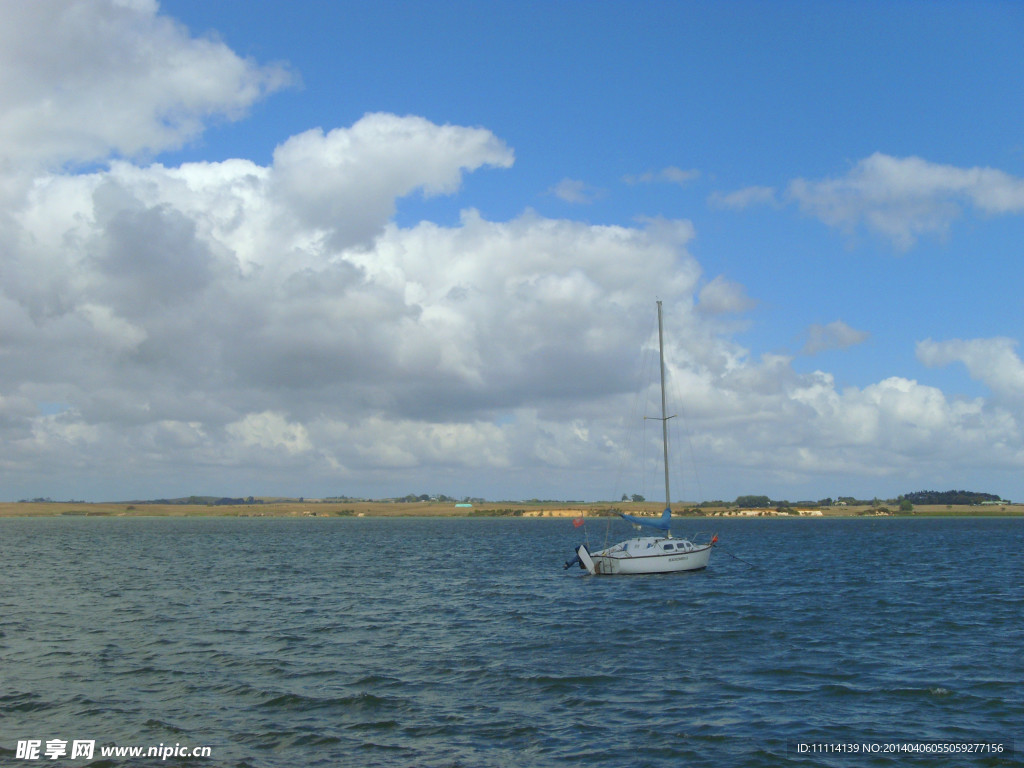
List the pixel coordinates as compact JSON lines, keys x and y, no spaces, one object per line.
{"x":462,"y":642}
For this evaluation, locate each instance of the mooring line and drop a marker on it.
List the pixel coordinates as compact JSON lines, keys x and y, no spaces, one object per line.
{"x":734,"y":557}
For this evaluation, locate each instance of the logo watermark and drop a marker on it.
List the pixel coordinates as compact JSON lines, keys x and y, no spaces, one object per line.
{"x":57,"y":749}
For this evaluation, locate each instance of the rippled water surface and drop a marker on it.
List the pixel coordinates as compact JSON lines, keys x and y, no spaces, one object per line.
{"x":462,"y":642}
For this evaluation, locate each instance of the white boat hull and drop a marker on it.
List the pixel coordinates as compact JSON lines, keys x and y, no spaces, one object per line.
{"x":648,"y":555}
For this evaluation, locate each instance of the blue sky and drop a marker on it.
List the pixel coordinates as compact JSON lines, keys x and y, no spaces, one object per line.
{"x":412,"y":247}
{"x":745,"y":94}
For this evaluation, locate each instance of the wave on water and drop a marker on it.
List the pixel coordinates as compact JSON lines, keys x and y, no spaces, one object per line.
{"x":395,"y":643}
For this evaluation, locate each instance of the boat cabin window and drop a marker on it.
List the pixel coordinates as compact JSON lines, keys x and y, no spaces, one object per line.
{"x":670,"y":546}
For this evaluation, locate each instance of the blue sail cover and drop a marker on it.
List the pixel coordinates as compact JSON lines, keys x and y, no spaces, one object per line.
{"x":661,"y":523}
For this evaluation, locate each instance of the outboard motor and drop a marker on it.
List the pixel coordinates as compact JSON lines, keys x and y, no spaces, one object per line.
{"x":577,"y":560}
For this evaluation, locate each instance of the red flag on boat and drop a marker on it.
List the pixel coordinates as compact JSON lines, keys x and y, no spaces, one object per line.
{"x":577,"y":522}
{"x":714,"y":539}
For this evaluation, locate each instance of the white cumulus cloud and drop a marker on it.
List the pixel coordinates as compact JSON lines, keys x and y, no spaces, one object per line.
{"x":85,"y":79}
{"x":576,"y":191}
{"x":270,"y":430}
{"x":993,"y":362}
{"x":668,"y":175}
{"x":346,"y":182}
{"x":834,"y":335}
{"x":722,"y":295}
{"x":905,"y":198}
{"x":745,"y":198}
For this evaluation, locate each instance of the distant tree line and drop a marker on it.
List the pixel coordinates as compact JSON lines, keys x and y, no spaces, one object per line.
{"x":949,"y":497}
{"x":918,"y":497}
{"x":425,"y":497}
{"x":753,"y":501}
{"x":214,"y":501}
{"x":48,"y":500}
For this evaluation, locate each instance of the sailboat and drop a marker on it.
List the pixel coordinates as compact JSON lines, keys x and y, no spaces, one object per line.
{"x":649,"y":554}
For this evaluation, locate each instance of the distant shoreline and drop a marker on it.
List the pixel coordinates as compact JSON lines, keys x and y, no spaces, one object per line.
{"x":594,"y":510}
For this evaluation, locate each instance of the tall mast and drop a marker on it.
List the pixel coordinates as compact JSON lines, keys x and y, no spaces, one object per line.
{"x":664,"y":414}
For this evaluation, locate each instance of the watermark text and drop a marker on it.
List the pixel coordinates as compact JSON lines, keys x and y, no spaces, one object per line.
{"x":56,"y":749}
